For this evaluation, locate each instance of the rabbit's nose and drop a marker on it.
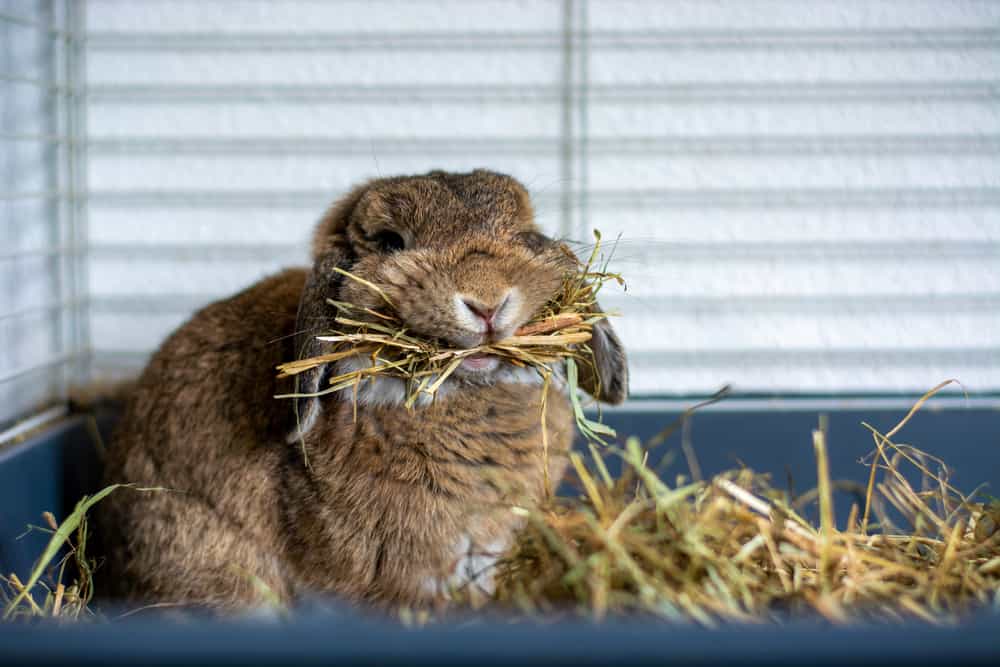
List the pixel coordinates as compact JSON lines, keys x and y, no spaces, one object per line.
{"x":482,"y":316}
{"x":485,"y":313}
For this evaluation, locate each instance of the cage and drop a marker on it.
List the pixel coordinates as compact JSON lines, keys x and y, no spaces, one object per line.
{"x":803,"y":198}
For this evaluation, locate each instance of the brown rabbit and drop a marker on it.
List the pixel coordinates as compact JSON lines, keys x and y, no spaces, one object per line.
{"x":391,"y":506}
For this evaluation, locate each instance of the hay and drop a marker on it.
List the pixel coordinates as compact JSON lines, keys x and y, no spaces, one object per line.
{"x":65,"y":551}
{"x":559,"y":333}
{"x":60,"y":601}
{"x":733,"y":548}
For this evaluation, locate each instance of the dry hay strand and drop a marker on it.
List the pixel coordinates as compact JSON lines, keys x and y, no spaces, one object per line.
{"x":60,"y":601}
{"x":559,"y":333}
{"x":733,"y":548}
{"x":65,"y":554}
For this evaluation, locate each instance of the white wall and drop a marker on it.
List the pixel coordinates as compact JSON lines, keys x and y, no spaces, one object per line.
{"x":808,"y":193}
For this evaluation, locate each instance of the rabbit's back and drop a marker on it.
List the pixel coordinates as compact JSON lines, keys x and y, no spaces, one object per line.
{"x":203,"y":424}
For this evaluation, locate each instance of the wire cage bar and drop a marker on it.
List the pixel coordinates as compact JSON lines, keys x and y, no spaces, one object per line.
{"x":43,"y":307}
{"x":805,"y":193}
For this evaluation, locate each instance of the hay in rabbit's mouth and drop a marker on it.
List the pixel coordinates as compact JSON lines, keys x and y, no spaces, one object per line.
{"x":559,"y":333}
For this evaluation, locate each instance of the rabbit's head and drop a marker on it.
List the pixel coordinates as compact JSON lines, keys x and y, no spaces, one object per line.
{"x":461,"y":260}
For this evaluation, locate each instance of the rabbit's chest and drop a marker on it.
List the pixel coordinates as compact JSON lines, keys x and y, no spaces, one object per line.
{"x":422,"y":494}
{"x":469,"y":442}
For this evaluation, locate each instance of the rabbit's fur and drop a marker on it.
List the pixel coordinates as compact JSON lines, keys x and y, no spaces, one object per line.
{"x":385,"y":505}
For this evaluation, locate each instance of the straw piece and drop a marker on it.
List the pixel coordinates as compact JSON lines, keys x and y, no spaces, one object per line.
{"x":57,"y":604}
{"x":550,"y":324}
{"x":295,"y":367}
{"x":827,"y":526}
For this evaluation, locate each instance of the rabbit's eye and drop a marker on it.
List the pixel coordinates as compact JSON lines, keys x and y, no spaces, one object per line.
{"x":535,"y":241}
{"x":388,"y":241}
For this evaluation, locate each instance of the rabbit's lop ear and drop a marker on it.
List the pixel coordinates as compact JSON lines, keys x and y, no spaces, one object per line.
{"x":331,"y":249}
{"x":607,"y":380}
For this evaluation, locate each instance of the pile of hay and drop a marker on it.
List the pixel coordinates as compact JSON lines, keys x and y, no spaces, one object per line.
{"x":558,"y":333}
{"x":733,"y":549}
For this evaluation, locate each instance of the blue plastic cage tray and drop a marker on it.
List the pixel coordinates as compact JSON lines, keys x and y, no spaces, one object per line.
{"x":51,"y":471}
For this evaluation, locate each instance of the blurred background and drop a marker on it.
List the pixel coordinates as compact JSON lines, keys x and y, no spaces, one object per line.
{"x":807,"y":194}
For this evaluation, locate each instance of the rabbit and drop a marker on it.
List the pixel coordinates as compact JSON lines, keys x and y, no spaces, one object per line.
{"x":349,"y":494}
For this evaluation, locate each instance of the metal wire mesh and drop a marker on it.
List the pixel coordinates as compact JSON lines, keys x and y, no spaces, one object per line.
{"x":808,"y":193}
{"x":43,"y":329}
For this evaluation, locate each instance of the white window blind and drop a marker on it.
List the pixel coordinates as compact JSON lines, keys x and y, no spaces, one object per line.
{"x":807,"y":193}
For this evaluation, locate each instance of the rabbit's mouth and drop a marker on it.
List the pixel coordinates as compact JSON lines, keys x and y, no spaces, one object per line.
{"x":480,"y":363}
{"x":489,"y":369}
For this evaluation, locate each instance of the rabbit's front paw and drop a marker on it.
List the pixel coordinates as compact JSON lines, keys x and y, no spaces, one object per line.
{"x":472,"y":571}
